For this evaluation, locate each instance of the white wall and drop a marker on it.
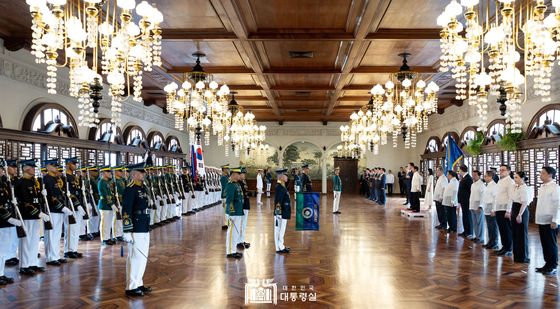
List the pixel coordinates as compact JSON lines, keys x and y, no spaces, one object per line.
{"x":22,"y":85}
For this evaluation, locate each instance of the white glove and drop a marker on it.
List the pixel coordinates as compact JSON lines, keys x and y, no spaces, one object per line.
{"x":14,"y":201}
{"x":14,"y":221}
{"x":81,"y":211}
{"x":170,"y":196}
{"x":128,"y":237}
{"x":44,"y":192}
{"x":151,"y":202}
{"x":114,"y":208}
{"x":44,"y":216}
{"x":66,"y":211}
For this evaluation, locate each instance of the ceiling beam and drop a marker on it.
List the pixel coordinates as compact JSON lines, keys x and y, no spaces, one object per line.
{"x":213,"y":69}
{"x":381,"y":69}
{"x":391,"y":69}
{"x":404,"y":34}
{"x":311,"y":35}
{"x":197,"y":35}
{"x":302,"y":88}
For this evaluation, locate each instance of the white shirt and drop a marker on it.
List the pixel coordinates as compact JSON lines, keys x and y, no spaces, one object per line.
{"x":522,"y":195}
{"x":416,"y":183}
{"x":504,"y":194}
{"x":430,"y":184}
{"x":259,"y":181}
{"x":489,"y":197}
{"x":548,"y":204}
{"x":477,"y":191}
{"x":441,"y":183}
{"x":450,"y":193}
{"x":390,"y":178}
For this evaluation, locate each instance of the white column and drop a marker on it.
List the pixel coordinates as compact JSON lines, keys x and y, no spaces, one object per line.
{"x":324,"y":174}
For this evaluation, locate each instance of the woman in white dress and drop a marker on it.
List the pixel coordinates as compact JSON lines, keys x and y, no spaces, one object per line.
{"x":429,"y":196}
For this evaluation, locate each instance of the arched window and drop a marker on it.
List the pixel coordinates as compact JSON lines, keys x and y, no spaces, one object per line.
{"x":173,"y":144}
{"x":50,"y":118}
{"x":135,"y":136}
{"x":106,"y":132}
{"x":469,"y":136}
{"x":156,"y":141}
{"x":496,"y":128}
{"x":546,"y":123}
{"x":432,"y":145}
{"x":444,"y":140}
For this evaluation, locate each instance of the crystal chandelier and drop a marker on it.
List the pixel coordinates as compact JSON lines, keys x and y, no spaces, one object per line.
{"x":200,"y":101}
{"x":104,"y":29}
{"x":484,"y":53}
{"x":241,"y":130}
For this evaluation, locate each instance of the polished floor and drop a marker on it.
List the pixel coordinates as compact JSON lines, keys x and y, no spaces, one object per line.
{"x":367,"y":257}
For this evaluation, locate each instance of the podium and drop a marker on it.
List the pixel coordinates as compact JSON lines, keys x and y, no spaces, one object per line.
{"x":307,"y":211}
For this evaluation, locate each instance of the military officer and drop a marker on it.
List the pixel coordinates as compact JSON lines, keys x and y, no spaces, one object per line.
{"x":282,"y":210}
{"x":186,"y":181}
{"x":106,"y":204}
{"x":246,"y":206}
{"x":199,"y":192}
{"x":53,"y":185}
{"x":27,"y":193}
{"x":234,"y":210}
{"x":151,"y":197}
{"x":92,"y":175}
{"x":136,"y":227}
{"x":156,"y":192}
{"x":305,"y":180}
{"x":120,"y":185}
{"x":12,"y":256}
{"x":8,"y":222}
{"x":74,"y":196}
{"x":337,"y":188}
{"x":224,"y":179}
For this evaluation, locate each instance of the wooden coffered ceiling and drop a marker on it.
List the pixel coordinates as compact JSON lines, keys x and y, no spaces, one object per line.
{"x":355,"y":44}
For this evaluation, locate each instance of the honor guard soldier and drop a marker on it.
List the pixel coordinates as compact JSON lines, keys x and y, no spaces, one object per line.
{"x":188,"y":188}
{"x":156,"y":192}
{"x":91,"y":175}
{"x":305,"y":180}
{"x":106,"y":204}
{"x":246,"y":206}
{"x":28,"y":195}
{"x":8,"y":222}
{"x":198,"y":192}
{"x":337,"y":189}
{"x":136,"y":227}
{"x":234,"y":210}
{"x":52,"y":188}
{"x":120,"y":185}
{"x":282,"y":210}
{"x":11,"y":174}
{"x":224,"y":179}
{"x":74,"y":197}
{"x":151,"y":197}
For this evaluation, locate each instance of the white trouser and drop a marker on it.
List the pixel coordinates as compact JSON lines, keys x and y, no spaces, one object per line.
{"x":259,"y":194}
{"x":233,"y":233}
{"x":279,"y":231}
{"x":29,"y":246}
{"x":52,"y":238}
{"x":224,"y":210}
{"x":268,"y":185}
{"x":244,"y":225}
{"x":151,"y":212}
{"x":159,"y":210}
{"x":5,"y":243}
{"x":336,"y":201}
{"x":72,"y":233}
{"x":164,"y":210}
{"x":93,"y":224}
{"x":136,"y":260}
{"x":14,"y":243}
{"x":117,"y":226}
{"x":106,"y":224}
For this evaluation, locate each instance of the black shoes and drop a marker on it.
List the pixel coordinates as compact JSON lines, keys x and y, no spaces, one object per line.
{"x":62,"y":261}
{"x":109,"y":242}
{"x":27,"y":271}
{"x":54,"y":263}
{"x":549,"y":272}
{"x":285,"y":250}
{"x":119,"y":239}
{"x":243,"y":245}
{"x":235,"y":255}
{"x":224,"y":227}
{"x":12,"y":262}
{"x":504,"y":253}
{"x":337,"y":212}
{"x":73,"y":255}
{"x":37,"y":269}
{"x":6,"y":280}
{"x":145,"y":289}
{"x":135,"y":292}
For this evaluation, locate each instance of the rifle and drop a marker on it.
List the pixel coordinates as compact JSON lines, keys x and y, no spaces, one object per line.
{"x":48,"y":225}
{"x":93,"y":207}
{"x":152,"y":193}
{"x":119,"y":216}
{"x":71,"y":218}
{"x":179,"y":184}
{"x":84,"y":198}
{"x":204,"y":184}
{"x":21,"y":230}
{"x":162,"y":178}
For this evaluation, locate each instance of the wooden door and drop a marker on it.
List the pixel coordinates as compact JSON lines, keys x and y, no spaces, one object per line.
{"x":348,"y":174}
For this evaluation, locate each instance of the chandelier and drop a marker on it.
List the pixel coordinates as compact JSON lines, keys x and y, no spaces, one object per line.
{"x":201,"y":102}
{"x":484,"y":53}
{"x":241,"y":130}
{"x":83,"y":31}
{"x":401,"y":107}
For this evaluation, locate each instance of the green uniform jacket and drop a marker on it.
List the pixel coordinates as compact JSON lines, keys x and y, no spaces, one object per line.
{"x":337,"y":184}
{"x":106,"y":195}
{"x":224,"y":181}
{"x":121,"y":185}
{"x":234,"y":199}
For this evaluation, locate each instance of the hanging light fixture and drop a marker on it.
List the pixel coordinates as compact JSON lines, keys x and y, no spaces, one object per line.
{"x":242,"y":133}
{"x":484,"y":58}
{"x":104,"y":29}
{"x":200,"y":101}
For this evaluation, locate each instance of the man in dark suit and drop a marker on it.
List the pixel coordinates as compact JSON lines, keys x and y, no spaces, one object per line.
{"x":463,"y":197}
{"x":408,"y":181}
{"x":401,"y":176}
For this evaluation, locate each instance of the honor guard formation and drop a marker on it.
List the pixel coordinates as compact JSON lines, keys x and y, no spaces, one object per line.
{"x":111,"y":204}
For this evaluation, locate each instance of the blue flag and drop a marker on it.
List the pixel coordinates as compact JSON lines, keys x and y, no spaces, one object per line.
{"x":453,"y":154}
{"x":307,"y":211}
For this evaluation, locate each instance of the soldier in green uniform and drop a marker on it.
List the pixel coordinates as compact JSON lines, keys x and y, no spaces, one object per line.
{"x":136,"y":227}
{"x":337,"y":188}
{"x":90,"y":175}
{"x":305,"y":179}
{"x":188,"y":188}
{"x":246,"y":207}
{"x":151,"y":197}
{"x":224,"y":179}
{"x":120,"y":184}
{"x":234,"y":210}
{"x":106,"y":204}
{"x":282,"y":211}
